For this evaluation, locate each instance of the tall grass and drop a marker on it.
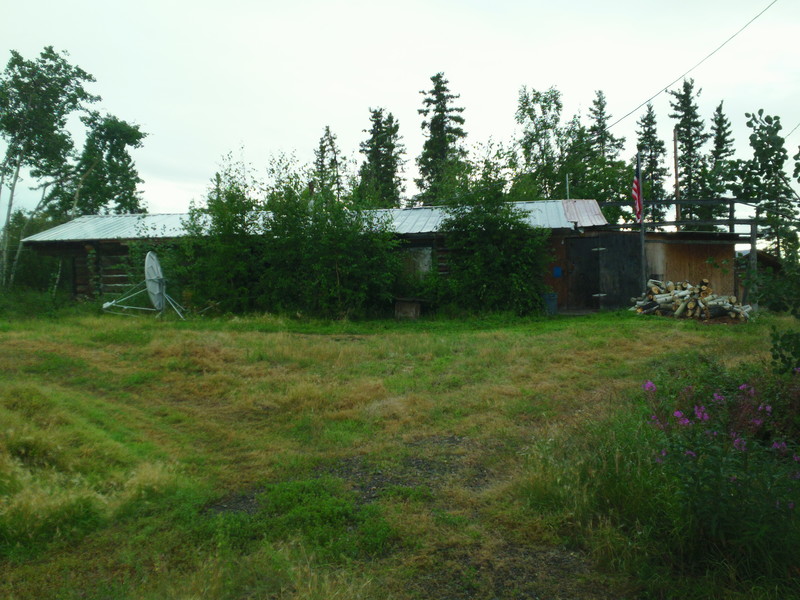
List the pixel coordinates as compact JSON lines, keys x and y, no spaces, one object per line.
{"x":367,"y":457}
{"x":696,"y":489}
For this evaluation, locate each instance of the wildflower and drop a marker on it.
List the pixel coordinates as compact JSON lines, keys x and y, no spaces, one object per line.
{"x":718,"y":398}
{"x":681,"y":419}
{"x":740,"y":444}
{"x":748,"y":389}
{"x":690,"y":454}
{"x":649,"y":386}
{"x":700,"y":413}
{"x":757,"y":422}
{"x":766,"y":408}
{"x":780,"y":447}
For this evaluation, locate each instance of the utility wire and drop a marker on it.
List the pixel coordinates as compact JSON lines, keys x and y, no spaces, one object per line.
{"x":792,"y":131}
{"x":694,"y":67}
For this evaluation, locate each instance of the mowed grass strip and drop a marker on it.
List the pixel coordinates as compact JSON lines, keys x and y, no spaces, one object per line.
{"x":122,"y":438}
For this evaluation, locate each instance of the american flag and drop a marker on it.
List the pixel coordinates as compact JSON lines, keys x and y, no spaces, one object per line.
{"x":636,"y":192}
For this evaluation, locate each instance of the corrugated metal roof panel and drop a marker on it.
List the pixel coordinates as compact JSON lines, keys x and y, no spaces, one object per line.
{"x":585,"y":213}
{"x":114,"y":227}
{"x":549,"y":214}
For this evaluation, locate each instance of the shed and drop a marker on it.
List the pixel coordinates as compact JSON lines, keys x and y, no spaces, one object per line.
{"x":95,"y":245}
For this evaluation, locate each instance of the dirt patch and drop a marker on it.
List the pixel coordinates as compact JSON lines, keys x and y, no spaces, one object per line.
{"x":246,"y":502}
{"x":434,"y":462}
{"x":508,"y":571}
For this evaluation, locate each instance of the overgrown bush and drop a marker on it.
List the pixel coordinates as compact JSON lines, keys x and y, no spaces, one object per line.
{"x":224,"y":251}
{"x":732,"y":461}
{"x":496,"y":260}
{"x":698,"y":488}
{"x":313,"y":254}
{"x":329,"y":258}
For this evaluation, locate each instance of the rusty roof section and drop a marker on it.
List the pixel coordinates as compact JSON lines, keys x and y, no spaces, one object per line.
{"x":549,"y":214}
{"x":584,"y":213}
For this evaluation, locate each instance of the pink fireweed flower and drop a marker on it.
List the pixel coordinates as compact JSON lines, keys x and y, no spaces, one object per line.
{"x":681,"y":419}
{"x":690,"y":454}
{"x":649,"y":386}
{"x":780,"y":447}
{"x":700,"y":413}
{"x":757,"y":422}
{"x":740,"y":444}
{"x":718,"y":398}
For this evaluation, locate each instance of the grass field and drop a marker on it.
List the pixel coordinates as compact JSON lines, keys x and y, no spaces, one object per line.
{"x":261,"y":457}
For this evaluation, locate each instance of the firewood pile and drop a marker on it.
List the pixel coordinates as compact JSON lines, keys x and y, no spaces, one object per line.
{"x":685,"y":300}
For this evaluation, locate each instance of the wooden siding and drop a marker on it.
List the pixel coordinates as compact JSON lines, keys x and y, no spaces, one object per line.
{"x":693,"y":262}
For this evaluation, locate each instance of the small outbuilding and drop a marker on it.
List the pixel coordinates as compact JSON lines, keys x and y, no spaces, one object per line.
{"x":593,"y":266}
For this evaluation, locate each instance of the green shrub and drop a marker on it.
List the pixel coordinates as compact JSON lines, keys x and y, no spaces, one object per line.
{"x":735,"y":475}
{"x":310,"y":254}
{"x":496,"y":260}
{"x":329,"y":259}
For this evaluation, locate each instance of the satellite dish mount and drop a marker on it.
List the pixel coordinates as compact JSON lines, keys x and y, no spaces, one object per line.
{"x":155,"y":286}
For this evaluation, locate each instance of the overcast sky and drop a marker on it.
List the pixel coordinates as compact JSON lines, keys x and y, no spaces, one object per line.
{"x":206,"y":78}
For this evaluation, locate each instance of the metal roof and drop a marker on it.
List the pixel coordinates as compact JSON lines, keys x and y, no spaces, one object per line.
{"x":549,"y":214}
{"x":114,"y":227}
{"x":584,"y":213}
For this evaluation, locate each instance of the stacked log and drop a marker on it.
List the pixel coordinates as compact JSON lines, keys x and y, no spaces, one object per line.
{"x":688,"y":301}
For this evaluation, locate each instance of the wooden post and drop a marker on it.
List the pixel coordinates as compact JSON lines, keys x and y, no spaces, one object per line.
{"x":641,"y":223}
{"x":753,"y":264}
{"x":731,"y":216}
{"x":677,"y":178}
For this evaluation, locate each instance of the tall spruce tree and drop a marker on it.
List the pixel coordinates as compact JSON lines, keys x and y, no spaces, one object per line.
{"x":328,"y":173}
{"x":719,"y":169}
{"x":442,"y":157}
{"x":607,"y":176}
{"x":653,"y":152}
{"x":692,"y":136}
{"x":604,"y":144}
{"x":380,"y":185}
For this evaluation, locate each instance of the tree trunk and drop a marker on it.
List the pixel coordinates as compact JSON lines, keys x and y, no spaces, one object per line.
{"x":24,"y":228}
{"x":6,"y":231}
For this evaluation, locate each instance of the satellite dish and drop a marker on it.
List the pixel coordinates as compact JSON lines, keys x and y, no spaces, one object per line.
{"x":155,"y":286}
{"x":154,"y":280}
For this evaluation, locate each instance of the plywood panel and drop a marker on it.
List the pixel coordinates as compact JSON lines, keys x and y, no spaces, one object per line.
{"x":701,"y":261}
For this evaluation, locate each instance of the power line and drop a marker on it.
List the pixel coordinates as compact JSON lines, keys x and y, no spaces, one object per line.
{"x":746,"y":25}
{"x":792,"y":131}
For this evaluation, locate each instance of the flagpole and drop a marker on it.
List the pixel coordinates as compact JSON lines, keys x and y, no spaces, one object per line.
{"x":641,"y":221}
